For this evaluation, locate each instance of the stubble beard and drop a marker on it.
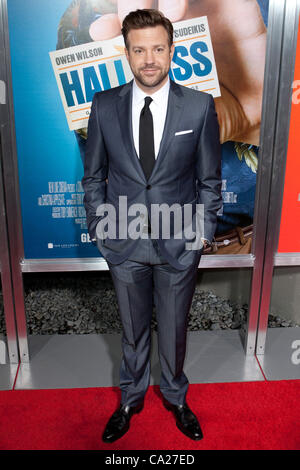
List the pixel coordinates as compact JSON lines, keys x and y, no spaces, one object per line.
{"x":150,"y":82}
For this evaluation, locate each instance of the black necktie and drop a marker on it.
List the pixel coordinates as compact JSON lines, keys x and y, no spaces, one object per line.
{"x":146,"y":139}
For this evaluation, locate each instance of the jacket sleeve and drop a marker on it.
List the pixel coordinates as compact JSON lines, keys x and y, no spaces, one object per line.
{"x":95,"y":169}
{"x":208,"y":169}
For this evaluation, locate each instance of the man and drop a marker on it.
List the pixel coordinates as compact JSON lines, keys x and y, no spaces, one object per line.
{"x":156,"y":143}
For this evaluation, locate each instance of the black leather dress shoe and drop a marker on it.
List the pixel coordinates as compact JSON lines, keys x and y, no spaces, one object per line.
{"x":119,"y":422}
{"x":186,"y":421}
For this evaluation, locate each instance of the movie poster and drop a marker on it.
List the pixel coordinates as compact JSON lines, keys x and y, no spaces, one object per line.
{"x":220,"y":49}
{"x":289,"y":240}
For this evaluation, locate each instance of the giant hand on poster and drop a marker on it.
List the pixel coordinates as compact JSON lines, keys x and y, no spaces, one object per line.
{"x":50,"y":167}
{"x":238,"y":34}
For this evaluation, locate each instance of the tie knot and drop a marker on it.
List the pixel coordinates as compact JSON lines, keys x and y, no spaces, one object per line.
{"x":148,"y":101}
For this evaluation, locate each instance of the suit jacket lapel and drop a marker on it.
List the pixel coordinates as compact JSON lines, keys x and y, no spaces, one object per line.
{"x":124,"y":112}
{"x":174,"y":111}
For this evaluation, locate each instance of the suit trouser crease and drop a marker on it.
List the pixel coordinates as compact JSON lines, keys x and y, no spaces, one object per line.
{"x":173,"y":292}
{"x":173,"y":306}
{"x":136,"y":339}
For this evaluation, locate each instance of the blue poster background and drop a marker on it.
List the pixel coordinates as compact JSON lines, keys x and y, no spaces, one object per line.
{"x":47,"y":150}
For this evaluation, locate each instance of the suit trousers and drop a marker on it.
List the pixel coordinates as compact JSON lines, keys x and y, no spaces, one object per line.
{"x":139,"y":281}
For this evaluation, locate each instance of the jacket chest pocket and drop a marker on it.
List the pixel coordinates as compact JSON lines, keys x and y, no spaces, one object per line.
{"x":185,"y":144}
{"x":187,"y":135}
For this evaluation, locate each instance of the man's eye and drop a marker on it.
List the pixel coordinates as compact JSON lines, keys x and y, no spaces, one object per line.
{"x":160,"y":49}
{"x":138,"y":51}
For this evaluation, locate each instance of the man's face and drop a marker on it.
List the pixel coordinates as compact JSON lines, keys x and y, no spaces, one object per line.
{"x":149,"y":56}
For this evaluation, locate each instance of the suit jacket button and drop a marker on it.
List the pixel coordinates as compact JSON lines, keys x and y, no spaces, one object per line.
{"x":148,"y":186}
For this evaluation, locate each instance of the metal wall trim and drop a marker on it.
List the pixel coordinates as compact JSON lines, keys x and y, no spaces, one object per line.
{"x":7,"y":290}
{"x":11,"y":193}
{"x":289,"y":44}
{"x":99,"y":264}
{"x":263,"y":185}
{"x":6,"y":279}
{"x":287,"y":259}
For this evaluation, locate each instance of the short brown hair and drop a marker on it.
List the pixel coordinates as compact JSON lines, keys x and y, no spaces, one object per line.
{"x":144,"y":19}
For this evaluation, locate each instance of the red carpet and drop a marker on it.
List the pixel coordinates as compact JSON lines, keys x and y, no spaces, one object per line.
{"x":248,"y":415}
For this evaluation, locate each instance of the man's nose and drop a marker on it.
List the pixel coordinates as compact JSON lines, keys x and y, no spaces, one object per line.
{"x":149,"y":58}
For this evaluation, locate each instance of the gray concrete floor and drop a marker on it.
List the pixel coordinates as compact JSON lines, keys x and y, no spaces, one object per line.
{"x":81,"y":361}
{"x":94,"y":360}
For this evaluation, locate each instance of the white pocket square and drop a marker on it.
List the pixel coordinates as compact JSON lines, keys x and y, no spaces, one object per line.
{"x":184,"y":132}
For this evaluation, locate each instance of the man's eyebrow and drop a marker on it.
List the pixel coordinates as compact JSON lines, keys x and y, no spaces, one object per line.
{"x":155,"y":45}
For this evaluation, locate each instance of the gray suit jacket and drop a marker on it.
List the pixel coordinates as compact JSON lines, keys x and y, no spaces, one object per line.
{"x":187,"y":168}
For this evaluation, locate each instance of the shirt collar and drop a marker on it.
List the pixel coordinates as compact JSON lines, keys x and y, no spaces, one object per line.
{"x":162,"y":94}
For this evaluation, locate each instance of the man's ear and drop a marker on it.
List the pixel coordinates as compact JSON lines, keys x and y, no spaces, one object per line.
{"x":172,"y":50}
{"x":126,"y":53}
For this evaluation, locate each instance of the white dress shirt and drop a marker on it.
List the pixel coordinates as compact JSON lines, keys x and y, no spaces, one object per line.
{"x":158,"y":109}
